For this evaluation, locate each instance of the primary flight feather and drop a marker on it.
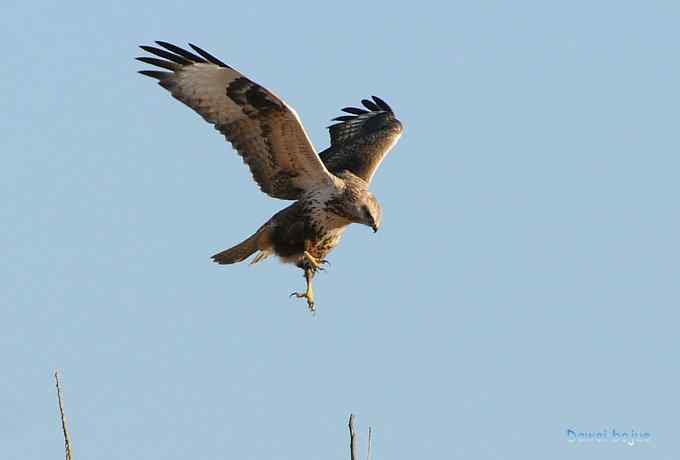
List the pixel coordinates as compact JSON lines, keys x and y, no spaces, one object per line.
{"x":330,"y":188}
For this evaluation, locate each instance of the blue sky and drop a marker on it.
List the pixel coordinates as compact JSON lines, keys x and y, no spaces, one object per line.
{"x":524,"y":281}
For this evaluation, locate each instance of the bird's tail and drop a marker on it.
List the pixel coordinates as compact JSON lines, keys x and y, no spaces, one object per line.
{"x":260,"y":240}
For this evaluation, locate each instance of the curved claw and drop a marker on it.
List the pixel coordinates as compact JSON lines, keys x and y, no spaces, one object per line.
{"x":318,"y":267}
{"x":313,"y":263}
{"x":310,"y":302}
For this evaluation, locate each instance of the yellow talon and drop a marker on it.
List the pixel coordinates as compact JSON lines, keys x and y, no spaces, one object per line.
{"x":309,"y":293}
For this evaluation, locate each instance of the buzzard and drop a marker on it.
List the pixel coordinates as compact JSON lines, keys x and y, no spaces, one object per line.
{"x":330,"y":189}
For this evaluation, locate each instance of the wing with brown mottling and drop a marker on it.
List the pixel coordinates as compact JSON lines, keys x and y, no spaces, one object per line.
{"x":361,"y":140}
{"x":264,"y":130}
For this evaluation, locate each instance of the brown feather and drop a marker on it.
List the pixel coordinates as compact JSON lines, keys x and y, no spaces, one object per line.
{"x":263,"y":129}
{"x":260,"y":240}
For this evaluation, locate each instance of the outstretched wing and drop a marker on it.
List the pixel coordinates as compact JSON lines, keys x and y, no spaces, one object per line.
{"x":264,"y":130}
{"x":361,"y":140}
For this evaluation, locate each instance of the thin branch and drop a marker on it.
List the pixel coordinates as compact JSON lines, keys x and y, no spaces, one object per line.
{"x":64,"y":429}
{"x":370,"y":437}
{"x":352,"y":439}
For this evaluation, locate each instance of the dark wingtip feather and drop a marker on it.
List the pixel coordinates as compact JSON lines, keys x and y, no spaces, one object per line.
{"x":208,"y":56}
{"x":375,"y":106}
{"x":157,"y":74}
{"x":382,"y":104}
{"x":166,"y":55}
{"x":180,"y":51}
{"x":354,"y":110}
{"x":370,"y":105}
{"x":158,"y":62}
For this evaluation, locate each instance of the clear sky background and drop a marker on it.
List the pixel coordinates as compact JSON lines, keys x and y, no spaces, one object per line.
{"x":524,"y":281}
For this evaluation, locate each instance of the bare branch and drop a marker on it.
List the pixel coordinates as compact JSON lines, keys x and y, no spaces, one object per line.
{"x":370,"y":437}
{"x":352,"y":439}
{"x":64,"y":429}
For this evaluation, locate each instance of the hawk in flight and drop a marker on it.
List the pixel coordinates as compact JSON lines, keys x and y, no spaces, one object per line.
{"x":329,"y":189}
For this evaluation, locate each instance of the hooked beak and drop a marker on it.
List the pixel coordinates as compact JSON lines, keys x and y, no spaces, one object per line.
{"x":375,"y":228}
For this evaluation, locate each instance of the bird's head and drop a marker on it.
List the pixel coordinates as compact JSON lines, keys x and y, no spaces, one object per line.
{"x":357,"y":204}
{"x":370,"y":211}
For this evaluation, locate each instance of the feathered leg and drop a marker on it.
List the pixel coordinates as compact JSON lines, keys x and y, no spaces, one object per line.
{"x":309,"y":293}
{"x":309,"y":261}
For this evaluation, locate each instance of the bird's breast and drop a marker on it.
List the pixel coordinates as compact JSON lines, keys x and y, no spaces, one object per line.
{"x":326,"y":242}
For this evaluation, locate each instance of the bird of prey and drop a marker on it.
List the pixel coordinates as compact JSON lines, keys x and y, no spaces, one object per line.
{"x":330,"y":188}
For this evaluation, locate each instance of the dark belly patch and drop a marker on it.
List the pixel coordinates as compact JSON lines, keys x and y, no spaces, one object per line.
{"x":289,"y":240}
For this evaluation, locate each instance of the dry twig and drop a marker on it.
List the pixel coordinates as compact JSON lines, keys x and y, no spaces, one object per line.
{"x":370,"y":436}
{"x":352,"y":439}
{"x":64,"y":429}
